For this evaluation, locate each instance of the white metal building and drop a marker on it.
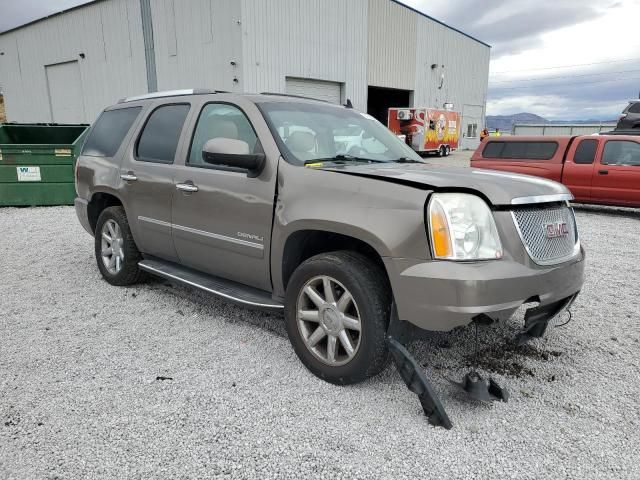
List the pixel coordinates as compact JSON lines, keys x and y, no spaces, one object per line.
{"x":378,"y":53}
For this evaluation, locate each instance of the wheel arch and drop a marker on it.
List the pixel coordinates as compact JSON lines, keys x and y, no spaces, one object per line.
{"x":98,"y":202}
{"x":305,"y":243}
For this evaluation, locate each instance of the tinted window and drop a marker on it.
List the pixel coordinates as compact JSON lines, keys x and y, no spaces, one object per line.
{"x":159,"y":139}
{"x":219,"y":120}
{"x":109,"y":131}
{"x":621,"y":152}
{"x":634,"y":108}
{"x":520,"y":150}
{"x":493,"y":149}
{"x":586,"y":151}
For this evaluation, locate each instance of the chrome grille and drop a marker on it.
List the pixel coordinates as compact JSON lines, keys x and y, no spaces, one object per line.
{"x":545,"y":250}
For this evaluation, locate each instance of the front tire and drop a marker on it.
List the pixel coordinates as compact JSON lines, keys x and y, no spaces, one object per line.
{"x":337,"y":310}
{"x":116,"y":251}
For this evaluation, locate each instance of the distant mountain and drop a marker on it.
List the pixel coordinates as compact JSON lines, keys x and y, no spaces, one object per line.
{"x":506,"y":122}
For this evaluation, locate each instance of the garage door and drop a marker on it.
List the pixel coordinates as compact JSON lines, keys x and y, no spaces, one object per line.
{"x":65,"y":92}
{"x":328,"y":91}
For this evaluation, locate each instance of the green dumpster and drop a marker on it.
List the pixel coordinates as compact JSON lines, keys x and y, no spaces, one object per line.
{"x":37,"y":161}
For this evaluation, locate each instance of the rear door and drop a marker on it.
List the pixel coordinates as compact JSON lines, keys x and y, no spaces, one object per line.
{"x":222,"y":219}
{"x":147,"y":178}
{"x":616,"y":180}
{"x":579,"y":166}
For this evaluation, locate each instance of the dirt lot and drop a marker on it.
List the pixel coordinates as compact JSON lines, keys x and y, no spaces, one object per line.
{"x":160,"y":381}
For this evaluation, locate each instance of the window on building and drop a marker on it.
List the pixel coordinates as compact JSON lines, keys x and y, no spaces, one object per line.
{"x":221,"y":120}
{"x":586,"y":151}
{"x":159,"y":138}
{"x":621,"y":152}
{"x":109,"y":131}
{"x":472,"y":130}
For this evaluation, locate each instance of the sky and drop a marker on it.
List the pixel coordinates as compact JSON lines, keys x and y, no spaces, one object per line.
{"x":560,"y":59}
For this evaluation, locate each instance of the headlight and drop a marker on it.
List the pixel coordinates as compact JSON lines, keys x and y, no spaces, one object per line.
{"x":462,"y":228}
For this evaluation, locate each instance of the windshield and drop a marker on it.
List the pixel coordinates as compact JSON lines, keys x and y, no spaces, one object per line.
{"x":311,"y":132}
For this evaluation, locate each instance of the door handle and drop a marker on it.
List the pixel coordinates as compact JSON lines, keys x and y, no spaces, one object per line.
{"x":603,"y":172}
{"x":186,"y":187}
{"x":128,"y":177}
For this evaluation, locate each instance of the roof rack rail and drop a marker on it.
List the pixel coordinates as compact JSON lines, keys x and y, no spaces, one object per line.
{"x":293,"y":96}
{"x":169,"y":93}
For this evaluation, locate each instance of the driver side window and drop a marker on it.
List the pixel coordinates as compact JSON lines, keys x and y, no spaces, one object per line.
{"x":220,"y":120}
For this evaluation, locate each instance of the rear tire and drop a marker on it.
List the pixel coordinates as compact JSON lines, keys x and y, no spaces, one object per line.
{"x":116,"y":252}
{"x":340,"y":341}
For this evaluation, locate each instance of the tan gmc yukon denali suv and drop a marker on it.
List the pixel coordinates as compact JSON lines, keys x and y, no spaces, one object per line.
{"x":317,"y":210}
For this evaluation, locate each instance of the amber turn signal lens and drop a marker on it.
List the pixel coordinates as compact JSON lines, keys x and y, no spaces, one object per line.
{"x":440,"y":232}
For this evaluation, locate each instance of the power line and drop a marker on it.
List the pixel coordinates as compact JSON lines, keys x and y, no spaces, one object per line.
{"x":569,"y":84}
{"x":564,"y":76}
{"x":567,"y":66}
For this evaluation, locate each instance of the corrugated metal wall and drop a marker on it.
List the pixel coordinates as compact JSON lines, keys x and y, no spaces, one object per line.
{"x":196,"y":43}
{"x":107,"y":33}
{"x":392,"y":45}
{"x":404,"y":45}
{"x":244,"y":45}
{"x":316,"y":39}
{"x":562,"y":129}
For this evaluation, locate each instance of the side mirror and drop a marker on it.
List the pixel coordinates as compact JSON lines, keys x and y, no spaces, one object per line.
{"x":233,"y":153}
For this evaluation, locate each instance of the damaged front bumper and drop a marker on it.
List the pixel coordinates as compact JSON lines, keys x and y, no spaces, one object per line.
{"x":443,"y":295}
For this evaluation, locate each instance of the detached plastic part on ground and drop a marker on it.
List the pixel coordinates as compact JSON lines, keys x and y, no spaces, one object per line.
{"x":478,"y":388}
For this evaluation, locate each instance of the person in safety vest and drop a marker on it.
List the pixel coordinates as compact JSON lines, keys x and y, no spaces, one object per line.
{"x":497,"y":133}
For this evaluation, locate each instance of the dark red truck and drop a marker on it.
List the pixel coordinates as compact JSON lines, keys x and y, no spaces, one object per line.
{"x":602,"y":169}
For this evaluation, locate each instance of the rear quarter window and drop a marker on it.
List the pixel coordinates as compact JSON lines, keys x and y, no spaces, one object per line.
{"x":109,"y":131}
{"x":524,"y":150}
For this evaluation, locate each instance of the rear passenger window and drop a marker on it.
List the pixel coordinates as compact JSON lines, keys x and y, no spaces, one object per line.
{"x":520,"y":150}
{"x":109,"y":131}
{"x":621,"y":152}
{"x":586,"y":151}
{"x":159,"y":139}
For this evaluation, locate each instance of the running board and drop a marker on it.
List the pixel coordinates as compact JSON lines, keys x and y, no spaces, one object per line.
{"x":233,"y":291}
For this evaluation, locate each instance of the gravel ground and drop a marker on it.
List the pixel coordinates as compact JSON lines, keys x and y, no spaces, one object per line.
{"x":165,"y":382}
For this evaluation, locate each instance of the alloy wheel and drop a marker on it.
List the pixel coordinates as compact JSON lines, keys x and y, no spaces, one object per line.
{"x":329,"y":321}
{"x":112,"y":250}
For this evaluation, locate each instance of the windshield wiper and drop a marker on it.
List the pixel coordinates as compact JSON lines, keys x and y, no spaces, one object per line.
{"x":406,"y":160}
{"x":342,"y":158}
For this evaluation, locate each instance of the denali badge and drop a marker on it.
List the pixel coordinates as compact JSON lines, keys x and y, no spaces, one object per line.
{"x":558,"y":229}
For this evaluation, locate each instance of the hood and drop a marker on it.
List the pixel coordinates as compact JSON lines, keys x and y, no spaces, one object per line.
{"x":500,"y":188}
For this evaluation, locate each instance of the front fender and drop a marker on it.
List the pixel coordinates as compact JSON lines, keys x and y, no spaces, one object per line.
{"x":387,"y":216}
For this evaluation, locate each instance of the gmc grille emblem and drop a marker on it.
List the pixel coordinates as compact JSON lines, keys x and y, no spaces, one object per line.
{"x":557,"y":229}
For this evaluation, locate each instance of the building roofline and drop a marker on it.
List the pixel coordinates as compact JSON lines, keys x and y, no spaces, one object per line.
{"x":440,"y":22}
{"x":49,"y":16}
{"x":398,"y":2}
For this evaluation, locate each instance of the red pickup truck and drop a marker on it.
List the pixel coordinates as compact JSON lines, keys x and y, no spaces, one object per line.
{"x":602,"y":169}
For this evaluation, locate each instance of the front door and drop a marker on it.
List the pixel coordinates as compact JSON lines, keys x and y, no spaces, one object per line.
{"x":617,"y":178}
{"x":221,"y":219}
